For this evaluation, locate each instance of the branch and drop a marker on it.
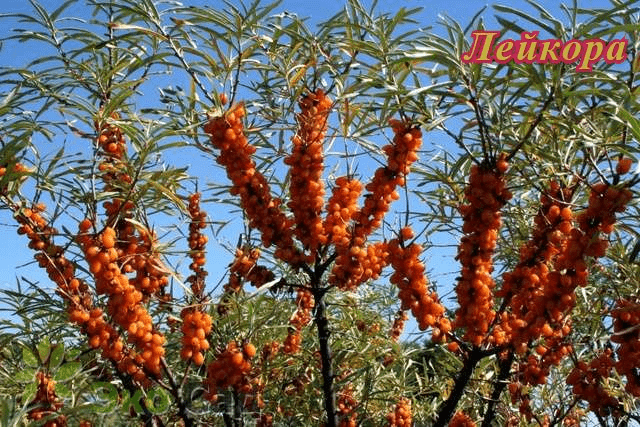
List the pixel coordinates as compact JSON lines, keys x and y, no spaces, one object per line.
{"x":176,"y":391}
{"x":535,"y":124}
{"x":178,"y":54}
{"x":498,"y":388}
{"x":325,"y":353}
{"x":448,"y":407}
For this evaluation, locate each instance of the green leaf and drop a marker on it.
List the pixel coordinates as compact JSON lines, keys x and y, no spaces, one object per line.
{"x":29,"y":392}
{"x":29,"y":357}
{"x":25,"y":376}
{"x":5,"y":412}
{"x":44,"y":347}
{"x":62,"y":390}
{"x":68,"y":370}
{"x":73,"y":353}
{"x":56,"y":355}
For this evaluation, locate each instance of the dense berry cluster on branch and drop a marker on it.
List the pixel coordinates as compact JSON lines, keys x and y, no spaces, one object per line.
{"x":11,"y":172}
{"x":486,"y":194}
{"x":347,"y":404}
{"x":300,"y":318}
{"x":197,"y":243}
{"x":262,"y":210}
{"x":401,"y":153}
{"x":587,"y":381}
{"x":356,"y":262}
{"x":409,"y":276}
{"x":230,"y":369}
{"x":46,"y":402}
{"x":125,"y":302}
{"x":306,"y":187}
{"x":524,"y":287}
{"x":401,"y":415}
{"x":341,"y":208}
{"x":196,"y":322}
{"x":626,"y":326}
{"x":460,"y":419}
{"x":398,"y":325}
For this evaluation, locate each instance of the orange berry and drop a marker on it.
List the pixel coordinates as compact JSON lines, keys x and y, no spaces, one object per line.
{"x":108,"y":240}
{"x":198,"y":358}
{"x":624,"y":165}
{"x":237,"y":359}
{"x":85,"y":225}
{"x":249,"y":350}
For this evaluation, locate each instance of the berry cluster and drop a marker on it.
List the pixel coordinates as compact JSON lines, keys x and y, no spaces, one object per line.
{"x":523,"y":288}
{"x":196,"y":326}
{"x":587,"y":382}
{"x":101,"y":334}
{"x":346,"y":404}
{"x":230,"y":369}
{"x":486,"y":194}
{"x":401,"y":415}
{"x":124,"y":303}
{"x":401,"y":153}
{"x":134,"y":247}
{"x":583,"y":241}
{"x":626,"y":326}
{"x":546,"y":316}
{"x":300,"y":318}
{"x":535,"y":368}
{"x":570,"y":265}
{"x":460,"y":419}
{"x":624,"y":165}
{"x":398,"y":325}
{"x":341,"y":207}
{"x":46,"y":402}
{"x":519,"y":395}
{"x":9,"y":173}
{"x":135,"y":250}
{"x":50,"y":257}
{"x":110,"y":138}
{"x":306,"y":166}
{"x":197,"y":243}
{"x":263,"y":211}
{"x":355,"y":263}
{"x":410,"y":278}
{"x":243,"y":268}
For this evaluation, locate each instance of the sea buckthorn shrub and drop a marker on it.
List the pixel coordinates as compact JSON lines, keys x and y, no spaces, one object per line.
{"x":540,"y":326}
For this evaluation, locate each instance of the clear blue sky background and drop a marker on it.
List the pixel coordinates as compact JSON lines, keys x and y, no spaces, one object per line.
{"x":13,"y":247}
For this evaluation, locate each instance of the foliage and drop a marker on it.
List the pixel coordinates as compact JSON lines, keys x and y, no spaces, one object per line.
{"x":535,"y":185}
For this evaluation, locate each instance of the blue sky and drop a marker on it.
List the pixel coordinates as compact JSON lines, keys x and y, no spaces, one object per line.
{"x":14,"y":54}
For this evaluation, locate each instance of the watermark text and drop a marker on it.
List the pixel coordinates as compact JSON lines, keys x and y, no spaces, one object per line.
{"x":528,"y":50}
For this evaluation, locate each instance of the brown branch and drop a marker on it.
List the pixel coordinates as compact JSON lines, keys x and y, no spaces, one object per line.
{"x":534,"y":125}
{"x":176,"y":392}
{"x":498,"y":388}
{"x":448,"y":407}
{"x":325,"y":354}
